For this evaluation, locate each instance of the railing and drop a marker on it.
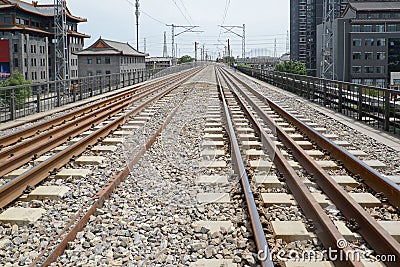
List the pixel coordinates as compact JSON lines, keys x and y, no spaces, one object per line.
{"x":23,"y":100}
{"x":377,"y":107}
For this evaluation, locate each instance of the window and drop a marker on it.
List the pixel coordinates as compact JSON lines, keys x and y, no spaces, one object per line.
{"x":368,"y":81}
{"x":355,"y":28}
{"x":357,"y":81}
{"x":98,"y":60}
{"x":7,"y":20}
{"x":381,"y":42}
{"x":380,"y":28}
{"x":89,"y":61}
{"x":380,"y":55}
{"x":380,"y":69}
{"x":356,"y":69}
{"x":368,"y":69}
{"x":98,"y":72}
{"x":25,"y":62}
{"x":369,"y":42}
{"x":367,"y":28}
{"x":25,"y":48}
{"x":380,"y":83}
{"x":108,"y":72}
{"x":369,"y":55}
{"x":16,"y":63}
{"x":108,"y":60}
{"x":391,"y":28}
{"x":356,"y":55}
{"x":356,"y":42}
{"x":89,"y":73}
{"x":15,"y":48}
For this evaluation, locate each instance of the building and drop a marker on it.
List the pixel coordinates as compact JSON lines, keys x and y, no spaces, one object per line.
{"x":158,"y":63}
{"x":367,"y":43}
{"x":305,"y":16}
{"x":26,"y":33}
{"x":109,"y":57}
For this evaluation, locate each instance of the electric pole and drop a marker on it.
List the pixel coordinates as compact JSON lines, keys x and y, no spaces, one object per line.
{"x":229,"y":49}
{"x":195,"y":51}
{"x":185,"y":29}
{"x":165,"y":52}
{"x":137,"y":13}
{"x":229,"y":29}
{"x":275,"y":53}
{"x":144,"y":45}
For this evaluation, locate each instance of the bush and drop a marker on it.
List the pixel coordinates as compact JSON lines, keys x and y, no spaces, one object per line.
{"x":21,"y":94}
{"x":185,"y":59}
{"x":290,"y":66}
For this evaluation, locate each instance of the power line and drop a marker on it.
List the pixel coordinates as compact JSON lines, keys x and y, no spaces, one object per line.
{"x":187,"y":12}
{"x":145,"y":13}
{"x":227,"y":4}
{"x":180,"y":10}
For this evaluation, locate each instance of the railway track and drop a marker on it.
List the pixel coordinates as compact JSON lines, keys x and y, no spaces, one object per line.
{"x":212,"y":173}
{"x":372,"y":231}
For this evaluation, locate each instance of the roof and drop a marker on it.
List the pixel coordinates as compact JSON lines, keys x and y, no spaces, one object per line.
{"x":374,"y":6}
{"x":158,"y":59}
{"x":108,"y":47}
{"x":35,"y":8}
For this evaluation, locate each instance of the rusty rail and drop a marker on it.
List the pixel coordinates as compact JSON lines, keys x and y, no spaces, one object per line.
{"x":240,"y":169}
{"x":13,"y":189}
{"x":372,"y":232}
{"x":68,"y":234}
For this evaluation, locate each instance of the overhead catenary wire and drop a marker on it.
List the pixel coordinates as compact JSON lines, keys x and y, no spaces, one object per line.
{"x":180,"y":10}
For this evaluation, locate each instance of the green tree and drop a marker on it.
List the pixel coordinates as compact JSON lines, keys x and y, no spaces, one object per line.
{"x":290,"y":66}
{"x":22,"y":93}
{"x":185,"y":59}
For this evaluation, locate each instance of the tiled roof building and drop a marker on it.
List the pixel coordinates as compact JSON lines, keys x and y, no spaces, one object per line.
{"x":28,"y":30}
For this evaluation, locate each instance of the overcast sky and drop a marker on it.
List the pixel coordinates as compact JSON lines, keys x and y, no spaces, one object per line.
{"x":265,"y":20}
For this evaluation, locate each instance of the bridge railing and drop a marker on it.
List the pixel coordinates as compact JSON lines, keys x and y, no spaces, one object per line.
{"x":377,"y":107}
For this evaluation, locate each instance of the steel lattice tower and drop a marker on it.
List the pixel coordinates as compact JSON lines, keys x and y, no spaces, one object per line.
{"x":61,"y":66}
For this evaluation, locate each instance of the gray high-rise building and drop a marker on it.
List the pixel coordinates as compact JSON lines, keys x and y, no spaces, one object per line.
{"x":305,"y":16}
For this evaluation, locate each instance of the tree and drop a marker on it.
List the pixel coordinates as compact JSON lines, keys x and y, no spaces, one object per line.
{"x":22,"y":93}
{"x":290,"y":66}
{"x":185,"y":59}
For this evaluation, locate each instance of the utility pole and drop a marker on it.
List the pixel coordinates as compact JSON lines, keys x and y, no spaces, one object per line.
{"x":202,"y":53}
{"x":144,"y":45}
{"x":61,"y":52}
{"x":275,"y":53}
{"x":229,"y":49}
{"x":195,"y":51}
{"x":287,"y":42}
{"x":165,"y":52}
{"x":137,"y":13}
{"x":229,"y":29}
{"x":184,"y":30}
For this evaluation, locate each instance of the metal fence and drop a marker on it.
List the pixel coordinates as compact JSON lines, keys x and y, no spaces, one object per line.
{"x":23,"y":100}
{"x":377,"y":107}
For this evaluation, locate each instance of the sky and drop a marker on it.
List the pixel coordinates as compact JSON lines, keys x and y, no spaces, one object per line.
{"x":265,"y":20}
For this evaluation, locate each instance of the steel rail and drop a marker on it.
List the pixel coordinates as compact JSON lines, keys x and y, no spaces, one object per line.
{"x":378,"y":238}
{"x":238,"y":165}
{"x":370,"y":176}
{"x":68,"y":234}
{"x":326,"y":229}
{"x":21,"y":153}
{"x":27,"y":132}
{"x":13,"y":189}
